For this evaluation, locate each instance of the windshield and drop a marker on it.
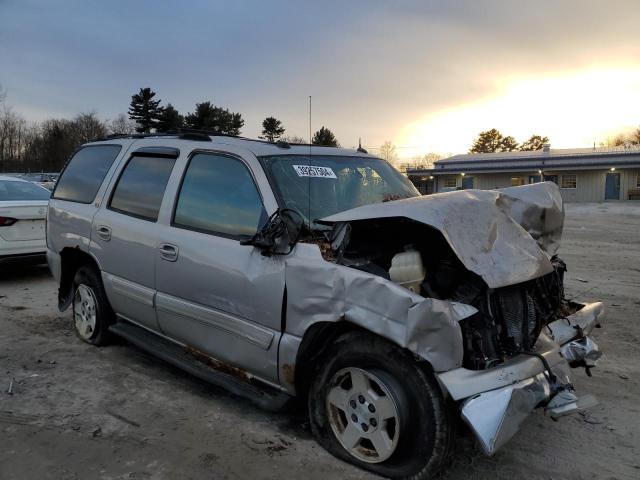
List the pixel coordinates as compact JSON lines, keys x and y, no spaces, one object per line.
{"x":335,"y":183}
{"x":16,"y":190}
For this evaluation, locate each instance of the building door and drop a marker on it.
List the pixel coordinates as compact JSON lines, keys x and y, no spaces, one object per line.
{"x":467,"y":182}
{"x":612,"y":187}
{"x":534,"y":179}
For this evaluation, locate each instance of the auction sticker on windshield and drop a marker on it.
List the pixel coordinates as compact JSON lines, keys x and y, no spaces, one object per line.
{"x":313,"y":171}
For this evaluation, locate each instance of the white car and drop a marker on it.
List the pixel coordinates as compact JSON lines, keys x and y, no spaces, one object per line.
{"x":23,"y":210}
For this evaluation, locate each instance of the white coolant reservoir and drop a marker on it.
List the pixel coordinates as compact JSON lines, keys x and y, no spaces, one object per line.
{"x":407,"y":270}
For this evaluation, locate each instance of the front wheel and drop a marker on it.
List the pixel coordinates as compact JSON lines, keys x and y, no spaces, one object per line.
{"x":373,"y":405}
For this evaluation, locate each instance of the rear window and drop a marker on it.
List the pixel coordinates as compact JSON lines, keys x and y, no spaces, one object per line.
{"x":141,"y":187}
{"x":12,"y":191}
{"x":85,"y":172}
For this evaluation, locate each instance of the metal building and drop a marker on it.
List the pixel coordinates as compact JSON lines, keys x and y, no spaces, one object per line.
{"x":583,"y":174}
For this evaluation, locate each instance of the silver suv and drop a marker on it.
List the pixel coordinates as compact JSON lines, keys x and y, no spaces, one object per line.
{"x":281,"y":271}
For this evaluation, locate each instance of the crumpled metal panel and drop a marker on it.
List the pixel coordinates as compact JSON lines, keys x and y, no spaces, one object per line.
{"x":539,"y":210}
{"x":580,"y":323}
{"x":486,"y":229}
{"x":584,"y":350}
{"x":462,"y":383}
{"x":322,"y":291}
{"x":495,"y":416}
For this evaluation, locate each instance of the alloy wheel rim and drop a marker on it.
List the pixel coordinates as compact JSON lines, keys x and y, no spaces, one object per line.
{"x":363,"y":414}
{"x":84,"y":311}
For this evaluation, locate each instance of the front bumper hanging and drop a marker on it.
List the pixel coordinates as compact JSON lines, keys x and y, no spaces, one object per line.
{"x":496,"y":401}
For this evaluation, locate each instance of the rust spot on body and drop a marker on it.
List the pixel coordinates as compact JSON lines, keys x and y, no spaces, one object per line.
{"x":289,"y":372}
{"x":217,"y":364}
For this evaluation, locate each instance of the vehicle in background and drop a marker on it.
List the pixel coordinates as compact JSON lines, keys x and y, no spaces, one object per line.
{"x":23,"y":211}
{"x":278,"y":270}
{"x":46,"y":180}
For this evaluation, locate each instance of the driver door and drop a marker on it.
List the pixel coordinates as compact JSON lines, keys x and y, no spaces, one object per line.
{"x":213,"y":294}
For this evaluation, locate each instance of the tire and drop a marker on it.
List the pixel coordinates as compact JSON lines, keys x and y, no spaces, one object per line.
{"x":415,"y":442}
{"x":92,"y":313}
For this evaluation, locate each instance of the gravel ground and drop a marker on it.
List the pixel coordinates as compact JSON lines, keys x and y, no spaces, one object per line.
{"x":78,"y":411}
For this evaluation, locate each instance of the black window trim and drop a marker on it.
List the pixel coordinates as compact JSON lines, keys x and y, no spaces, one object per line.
{"x":117,"y":182}
{"x":156,"y":152}
{"x":221,"y":153}
{"x":82,"y":147}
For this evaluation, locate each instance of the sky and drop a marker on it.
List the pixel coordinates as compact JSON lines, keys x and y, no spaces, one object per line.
{"x":425,"y":75}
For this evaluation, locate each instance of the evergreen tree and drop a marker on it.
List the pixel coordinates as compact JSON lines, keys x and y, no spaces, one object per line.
{"x":493,"y":141}
{"x":145,"y":110}
{"x":215,"y":119}
{"x":170,"y":120}
{"x":325,"y":137}
{"x":272,"y":129}
{"x":535,"y":142}
{"x":508,"y":144}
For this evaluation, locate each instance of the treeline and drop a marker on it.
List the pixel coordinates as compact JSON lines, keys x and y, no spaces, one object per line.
{"x":46,"y":146}
{"x":492,"y":140}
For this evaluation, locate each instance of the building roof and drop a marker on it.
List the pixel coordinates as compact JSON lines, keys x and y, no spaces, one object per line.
{"x":551,"y":159}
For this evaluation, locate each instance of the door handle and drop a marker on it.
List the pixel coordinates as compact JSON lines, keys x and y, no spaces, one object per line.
{"x":168,"y":252}
{"x":104,"y":232}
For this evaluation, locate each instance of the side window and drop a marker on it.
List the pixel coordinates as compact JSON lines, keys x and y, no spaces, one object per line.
{"x":218,"y":195}
{"x":85,"y":172}
{"x":141,"y":186}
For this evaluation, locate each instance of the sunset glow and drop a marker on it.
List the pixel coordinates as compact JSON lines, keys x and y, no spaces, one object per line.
{"x":574,"y":109}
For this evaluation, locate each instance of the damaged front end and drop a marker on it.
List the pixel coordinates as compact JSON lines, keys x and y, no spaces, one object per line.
{"x":468,"y":281}
{"x":495,"y":401}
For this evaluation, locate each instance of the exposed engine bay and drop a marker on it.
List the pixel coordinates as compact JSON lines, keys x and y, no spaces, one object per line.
{"x":509,"y":319}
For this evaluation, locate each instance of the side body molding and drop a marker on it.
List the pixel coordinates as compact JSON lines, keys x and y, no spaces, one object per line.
{"x":130,"y":290}
{"x":247,"y":331}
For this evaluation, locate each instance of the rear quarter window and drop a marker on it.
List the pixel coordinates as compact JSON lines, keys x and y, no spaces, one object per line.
{"x":85,"y":173}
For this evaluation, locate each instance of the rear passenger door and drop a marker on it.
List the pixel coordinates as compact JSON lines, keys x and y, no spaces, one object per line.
{"x":125,"y":231}
{"x":214,"y":294}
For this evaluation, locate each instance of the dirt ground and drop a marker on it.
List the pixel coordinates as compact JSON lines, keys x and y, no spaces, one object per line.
{"x":82,"y":412}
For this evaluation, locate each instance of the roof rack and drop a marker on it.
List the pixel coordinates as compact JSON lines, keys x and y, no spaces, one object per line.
{"x":204,"y":135}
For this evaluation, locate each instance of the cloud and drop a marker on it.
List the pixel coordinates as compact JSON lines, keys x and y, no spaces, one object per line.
{"x":372,"y":67}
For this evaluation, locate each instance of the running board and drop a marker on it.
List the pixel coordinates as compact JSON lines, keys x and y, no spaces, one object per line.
{"x":200,"y":365}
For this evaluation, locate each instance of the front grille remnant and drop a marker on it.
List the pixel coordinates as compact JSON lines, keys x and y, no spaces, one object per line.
{"x":509,"y":321}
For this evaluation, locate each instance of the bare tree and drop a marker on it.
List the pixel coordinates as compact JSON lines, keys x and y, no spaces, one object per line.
{"x":12,"y":136}
{"x":430,"y":158}
{"x":294,"y":139}
{"x":87,"y":127}
{"x":122,"y":125}
{"x":387,"y":151}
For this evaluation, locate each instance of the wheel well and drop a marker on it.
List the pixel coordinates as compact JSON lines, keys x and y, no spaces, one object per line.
{"x":315,"y":342}
{"x":71,"y":260}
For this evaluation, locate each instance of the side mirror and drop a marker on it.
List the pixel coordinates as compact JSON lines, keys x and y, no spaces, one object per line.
{"x":280,"y":233}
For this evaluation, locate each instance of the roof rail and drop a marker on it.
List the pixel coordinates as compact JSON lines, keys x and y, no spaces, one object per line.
{"x":203,"y":135}
{"x":133,"y":135}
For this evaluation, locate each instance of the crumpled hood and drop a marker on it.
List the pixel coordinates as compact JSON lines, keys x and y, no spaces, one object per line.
{"x":505,"y":236}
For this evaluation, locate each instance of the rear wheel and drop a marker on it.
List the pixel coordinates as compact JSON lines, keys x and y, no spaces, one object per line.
{"x":373,"y":405}
{"x":92,"y":314}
